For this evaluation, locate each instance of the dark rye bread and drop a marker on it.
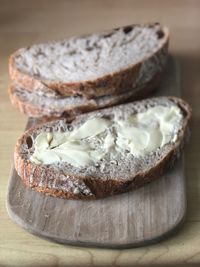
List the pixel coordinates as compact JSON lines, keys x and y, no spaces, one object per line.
{"x":100,"y":64}
{"x":106,"y":178}
{"x":34,"y":105}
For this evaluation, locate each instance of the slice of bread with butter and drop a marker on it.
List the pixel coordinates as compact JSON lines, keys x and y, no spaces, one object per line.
{"x":104,"y":152}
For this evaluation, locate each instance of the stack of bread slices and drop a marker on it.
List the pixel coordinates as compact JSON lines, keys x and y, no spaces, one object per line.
{"x":107,"y":151}
{"x":81,"y":74}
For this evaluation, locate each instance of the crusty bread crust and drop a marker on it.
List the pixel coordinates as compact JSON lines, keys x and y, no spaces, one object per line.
{"x":113,"y":83}
{"x":30,"y":110}
{"x":39,"y":176}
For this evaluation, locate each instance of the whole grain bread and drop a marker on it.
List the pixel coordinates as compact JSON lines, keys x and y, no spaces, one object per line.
{"x":100,"y":64}
{"x":34,"y":105}
{"x":106,"y":178}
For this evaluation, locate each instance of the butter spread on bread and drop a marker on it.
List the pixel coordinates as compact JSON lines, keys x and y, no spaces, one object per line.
{"x":140,"y":134}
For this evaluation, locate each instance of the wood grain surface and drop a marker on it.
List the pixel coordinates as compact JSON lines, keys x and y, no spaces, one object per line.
{"x":137,"y":218}
{"x":132,"y":219}
{"x":25,"y":22}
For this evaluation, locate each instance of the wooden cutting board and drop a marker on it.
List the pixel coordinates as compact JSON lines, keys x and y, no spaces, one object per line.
{"x":132,"y":219}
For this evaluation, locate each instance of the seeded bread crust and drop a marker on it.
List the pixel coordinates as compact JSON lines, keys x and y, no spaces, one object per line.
{"x":111,"y":83}
{"x":48,"y":109}
{"x":58,"y":182}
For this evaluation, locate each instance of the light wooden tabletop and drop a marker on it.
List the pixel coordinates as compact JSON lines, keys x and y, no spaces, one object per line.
{"x":25,"y":22}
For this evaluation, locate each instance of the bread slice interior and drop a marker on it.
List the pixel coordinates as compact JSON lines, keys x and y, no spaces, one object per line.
{"x":104,"y":152}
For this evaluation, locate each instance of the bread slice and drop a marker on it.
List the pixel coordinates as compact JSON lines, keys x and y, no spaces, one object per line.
{"x":35,"y":105}
{"x":100,"y":64}
{"x":105,"y":177}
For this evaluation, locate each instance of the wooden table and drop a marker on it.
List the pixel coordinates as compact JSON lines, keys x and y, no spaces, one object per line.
{"x":25,"y":22}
